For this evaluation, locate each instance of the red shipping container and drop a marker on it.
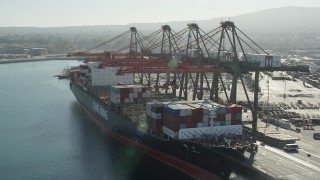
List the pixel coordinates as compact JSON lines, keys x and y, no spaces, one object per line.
{"x":188,"y":119}
{"x":156,"y":125}
{"x":194,"y":112}
{"x":172,"y":126}
{"x":165,"y":116}
{"x":235,"y":122}
{"x":229,"y":109}
{"x":124,"y":95}
{"x":238,"y":109}
{"x":183,"y":120}
{"x":159,"y":110}
{"x":235,"y":108}
{"x":196,"y":119}
{"x":221,"y":117}
{"x":233,"y":116}
{"x":171,"y":119}
{"x":191,"y":125}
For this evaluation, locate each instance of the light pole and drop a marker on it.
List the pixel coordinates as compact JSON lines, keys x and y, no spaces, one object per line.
{"x":268,"y":86}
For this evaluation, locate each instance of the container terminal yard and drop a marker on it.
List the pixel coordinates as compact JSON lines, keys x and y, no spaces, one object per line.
{"x":279,"y":97}
{"x":297,"y":103}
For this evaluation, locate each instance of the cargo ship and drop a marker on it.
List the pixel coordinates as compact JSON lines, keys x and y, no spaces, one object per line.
{"x":189,"y":135}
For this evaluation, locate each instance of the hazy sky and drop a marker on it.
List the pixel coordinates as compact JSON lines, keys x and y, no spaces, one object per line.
{"x":51,"y":13}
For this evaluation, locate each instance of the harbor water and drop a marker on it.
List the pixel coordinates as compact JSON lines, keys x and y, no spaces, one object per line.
{"x":45,"y":133}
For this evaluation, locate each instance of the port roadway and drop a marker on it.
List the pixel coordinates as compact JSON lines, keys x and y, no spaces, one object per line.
{"x":283,"y":165}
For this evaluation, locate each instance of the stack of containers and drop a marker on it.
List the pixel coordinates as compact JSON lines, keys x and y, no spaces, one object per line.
{"x":75,"y":76}
{"x":171,"y":117}
{"x":198,"y":115}
{"x":129,"y":94}
{"x":181,"y":116}
{"x":154,"y":113}
{"x":209,"y":113}
{"x":221,"y":114}
{"x":84,"y":74}
{"x":234,"y":115}
{"x":216,"y":113}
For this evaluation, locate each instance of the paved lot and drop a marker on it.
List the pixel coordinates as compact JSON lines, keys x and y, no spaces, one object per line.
{"x":282,"y":165}
{"x":274,"y":161}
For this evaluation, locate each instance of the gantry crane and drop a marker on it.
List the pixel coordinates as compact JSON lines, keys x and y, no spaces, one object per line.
{"x":193,"y":45}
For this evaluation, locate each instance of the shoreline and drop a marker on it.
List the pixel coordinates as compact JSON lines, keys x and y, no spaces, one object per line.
{"x":8,"y":61}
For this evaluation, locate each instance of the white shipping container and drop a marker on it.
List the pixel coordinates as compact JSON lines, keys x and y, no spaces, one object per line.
{"x":153,"y":115}
{"x":84,"y":70}
{"x":200,"y":124}
{"x":228,"y":117}
{"x":228,"y":122}
{"x":148,"y":106}
{"x":205,"y":124}
{"x":146,"y":94}
{"x":205,"y":111}
{"x":149,"y":113}
{"x":156,"y":115}
{"x":205,"y":118}
{"x":182,"y":112}
{"x":212,"y":113}
{"x":115,"y":95}
{"x":135,"y":89}
{"x":93,"y":65}
{"x":196,"y":106}
{"x":183,"y":126}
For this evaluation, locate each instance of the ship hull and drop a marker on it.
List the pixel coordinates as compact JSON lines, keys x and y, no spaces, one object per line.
{"x":191,"y":158}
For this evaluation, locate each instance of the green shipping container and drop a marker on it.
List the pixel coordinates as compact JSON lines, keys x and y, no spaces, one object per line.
{"x":239,"y":116}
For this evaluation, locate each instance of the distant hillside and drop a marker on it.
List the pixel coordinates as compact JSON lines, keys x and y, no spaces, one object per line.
{"x":296,"y":19}
{"x":286,"y":19}
{"x":278,"y":30}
